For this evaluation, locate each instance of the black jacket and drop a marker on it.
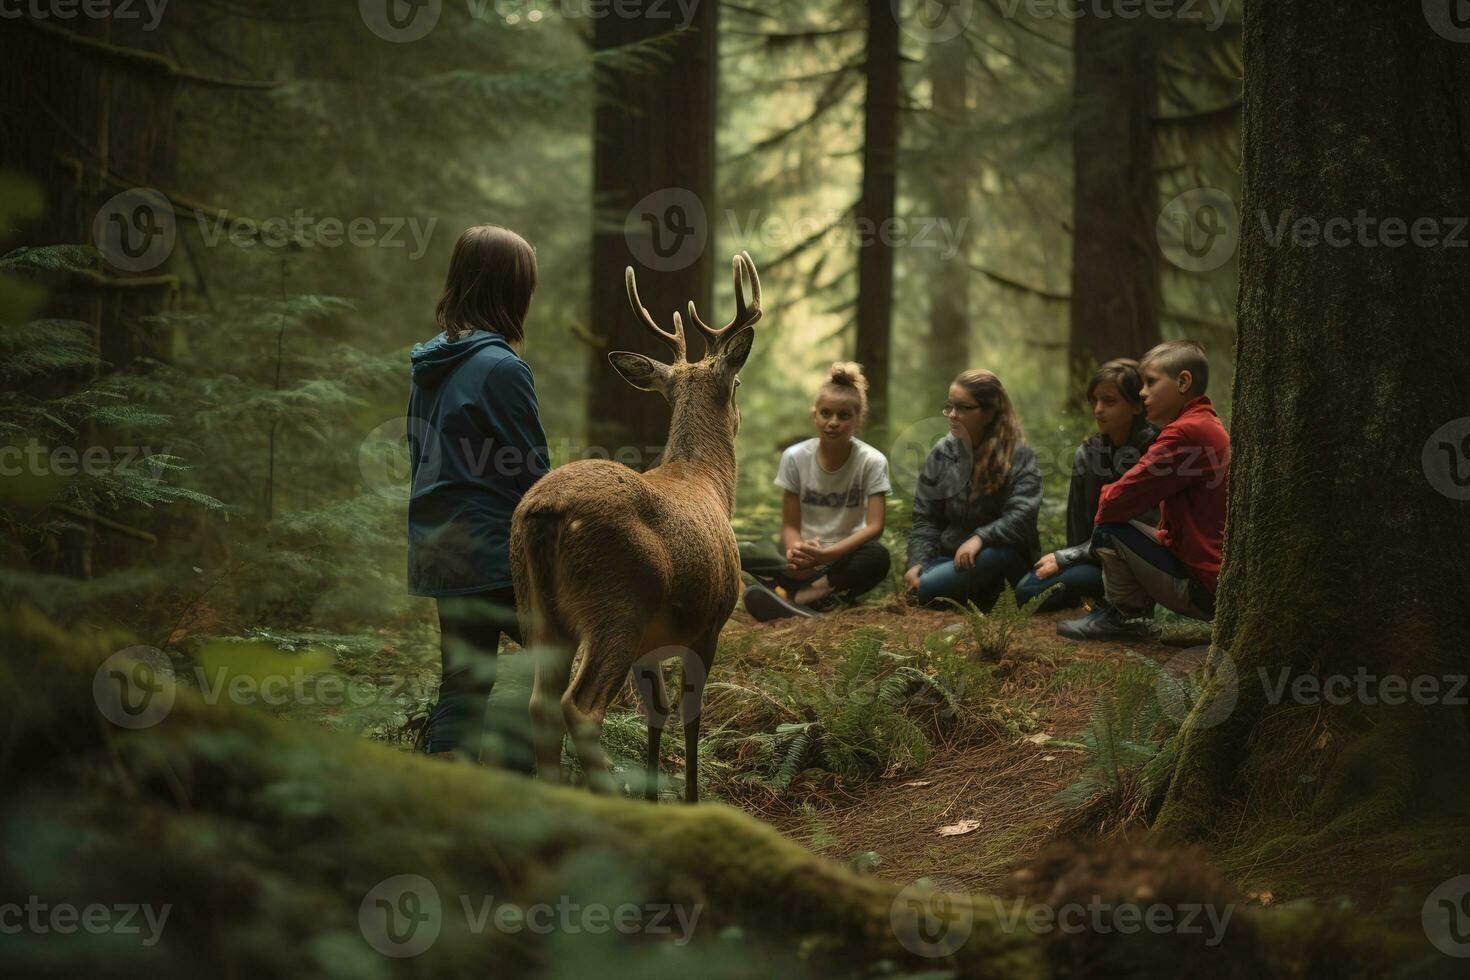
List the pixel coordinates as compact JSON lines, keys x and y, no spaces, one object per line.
{"x":1095,"y":465}
{"x":945,"y":516}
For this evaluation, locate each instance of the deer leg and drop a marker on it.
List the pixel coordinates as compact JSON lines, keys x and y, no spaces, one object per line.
{"x":691,"y":706}
{"x":653,"y":696}
{"x":606,"y":658}
{"x":553,"y":665}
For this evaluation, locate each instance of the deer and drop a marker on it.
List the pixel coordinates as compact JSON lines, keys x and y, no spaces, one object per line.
{"x":622,"y":570}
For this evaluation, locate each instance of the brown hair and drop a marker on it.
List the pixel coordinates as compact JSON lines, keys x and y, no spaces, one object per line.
{"x":846,"y":379}
{"x":1174,"y":357}
{"x":993,"y":454}
{"x":1121,"y":373}
{"x":492,"y":275}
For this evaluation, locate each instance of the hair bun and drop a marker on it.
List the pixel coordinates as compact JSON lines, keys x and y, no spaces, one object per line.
{"x":849,"y":374}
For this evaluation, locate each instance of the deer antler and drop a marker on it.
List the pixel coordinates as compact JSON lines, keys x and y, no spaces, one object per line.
{"x":744,"y":315}
{"x":675,"y":338}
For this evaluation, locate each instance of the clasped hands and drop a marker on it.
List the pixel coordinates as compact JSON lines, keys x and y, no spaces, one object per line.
{"x":805,"y":559}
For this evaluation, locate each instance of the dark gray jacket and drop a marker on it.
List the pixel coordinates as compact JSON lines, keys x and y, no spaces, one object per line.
{"x":944,"y":515}
{"x":1096,"y":465}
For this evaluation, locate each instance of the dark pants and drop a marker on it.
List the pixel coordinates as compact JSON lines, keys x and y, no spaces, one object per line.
{"x":470,"y":627}
{"x":1074,"y":583}
{"x":995,"y":565}
{"x":852,"y":575}
{"x":1139,"y":571}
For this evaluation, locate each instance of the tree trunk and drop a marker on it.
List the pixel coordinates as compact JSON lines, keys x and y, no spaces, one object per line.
{"x":949,"y":300}
{"x":1347,"y":531}
{"x":654,"y":207}
{"x":875,"y":209}
{"x":1115,"y":265}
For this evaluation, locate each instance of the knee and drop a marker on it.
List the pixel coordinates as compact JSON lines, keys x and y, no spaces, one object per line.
{"x":1030,"y":587}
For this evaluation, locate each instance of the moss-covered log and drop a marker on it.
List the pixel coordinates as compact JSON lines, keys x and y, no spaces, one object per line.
{"x":1347,"y":536}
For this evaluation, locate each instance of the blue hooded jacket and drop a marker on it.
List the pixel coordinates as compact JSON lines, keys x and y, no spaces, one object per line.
{"x":475,"y":447}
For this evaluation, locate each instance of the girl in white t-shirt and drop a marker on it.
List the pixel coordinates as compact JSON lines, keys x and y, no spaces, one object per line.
{"x":832,"y":512}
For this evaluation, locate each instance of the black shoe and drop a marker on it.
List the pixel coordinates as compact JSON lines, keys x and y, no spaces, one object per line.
{"x":764,"y":605}
{"x":1108,"y":622}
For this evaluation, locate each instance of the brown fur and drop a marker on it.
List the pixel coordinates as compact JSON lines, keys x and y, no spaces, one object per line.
{"x":612,"y":565}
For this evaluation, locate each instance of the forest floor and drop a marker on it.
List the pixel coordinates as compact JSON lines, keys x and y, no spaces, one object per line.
{"x":959,"y":789}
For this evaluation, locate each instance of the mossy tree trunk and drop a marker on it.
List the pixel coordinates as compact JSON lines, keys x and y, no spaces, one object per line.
{"x":1115,"y":263}
{"x":1347,"y":536}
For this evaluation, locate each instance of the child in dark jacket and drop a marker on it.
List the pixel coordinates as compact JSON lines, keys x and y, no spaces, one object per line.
{"x":1074,"y":573}
{"x":476,"y":446}
{"x":977,"y":500}
{"x":1184,"y":474}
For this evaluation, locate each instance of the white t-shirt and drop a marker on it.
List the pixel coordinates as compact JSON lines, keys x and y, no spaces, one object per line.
{"x":833,"y":505}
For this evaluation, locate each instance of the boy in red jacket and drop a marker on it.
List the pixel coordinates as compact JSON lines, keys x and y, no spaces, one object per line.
{"x":1184,"y":474}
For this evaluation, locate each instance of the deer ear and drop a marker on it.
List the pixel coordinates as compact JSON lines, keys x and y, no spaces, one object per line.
{"x":639,"y":371}
{"x":737,"y":349}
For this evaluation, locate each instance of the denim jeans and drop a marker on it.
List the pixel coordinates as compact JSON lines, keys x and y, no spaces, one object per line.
{"x":995,"y":565}
{"x":1083,"y":580}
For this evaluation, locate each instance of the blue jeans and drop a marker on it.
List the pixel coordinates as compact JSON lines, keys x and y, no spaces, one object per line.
{"x":1083,"y":580}
{"x":995,"y":565}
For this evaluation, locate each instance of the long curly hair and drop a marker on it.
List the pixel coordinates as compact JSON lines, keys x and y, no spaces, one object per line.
{"x":999,"y":441}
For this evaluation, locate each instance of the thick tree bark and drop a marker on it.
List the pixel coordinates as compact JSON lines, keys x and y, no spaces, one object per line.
{"x":1345,"y":546}
{"x":654,"y":134}
{"x":949,"y":300}
{"x":875,"y":209}
{"x":1115,"y":265}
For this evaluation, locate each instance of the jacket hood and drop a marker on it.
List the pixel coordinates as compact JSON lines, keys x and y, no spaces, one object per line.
{"x":434,"y":360}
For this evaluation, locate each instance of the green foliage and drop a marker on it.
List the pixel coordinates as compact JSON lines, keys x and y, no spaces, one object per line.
{"x":1130,"y":742}
{"x":995,"y":632}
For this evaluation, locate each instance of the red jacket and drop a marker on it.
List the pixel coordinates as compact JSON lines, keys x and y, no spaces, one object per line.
{"x":1184,"y":474}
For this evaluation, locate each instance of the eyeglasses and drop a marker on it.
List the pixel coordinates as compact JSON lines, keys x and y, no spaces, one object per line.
{"x":950,"y":408}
